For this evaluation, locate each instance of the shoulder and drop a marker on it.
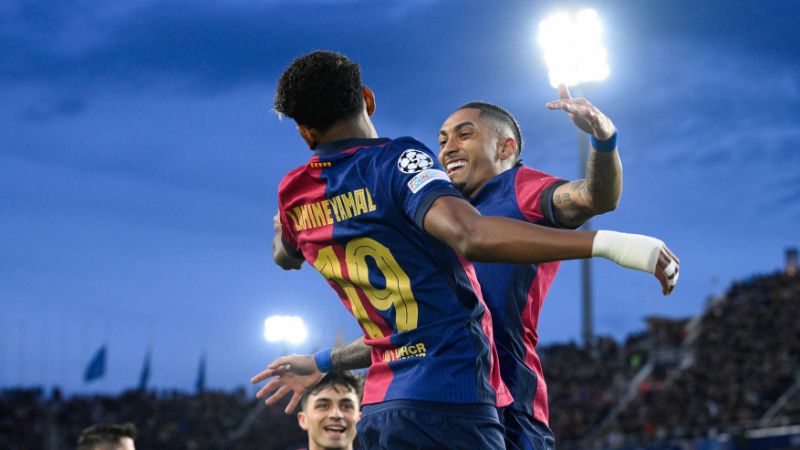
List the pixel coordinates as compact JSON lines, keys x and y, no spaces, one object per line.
{"x":292,"y":176}
{"x":531,"y":181}
{"x":409,"y":154}
{"x":527,"y":174}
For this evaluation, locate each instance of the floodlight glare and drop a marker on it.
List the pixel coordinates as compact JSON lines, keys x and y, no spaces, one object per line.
{"x":572,"y":47}
{"x":290,"y":329}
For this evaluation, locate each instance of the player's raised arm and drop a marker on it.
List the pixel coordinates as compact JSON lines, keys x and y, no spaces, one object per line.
{"x":297,"y":373}
{"x":497,"y":239}
{"x":578,"y":201}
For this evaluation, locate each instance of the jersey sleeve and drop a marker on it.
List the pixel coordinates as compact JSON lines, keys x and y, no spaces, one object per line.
{"x":415,"y":177}
{"x":534,"y":192}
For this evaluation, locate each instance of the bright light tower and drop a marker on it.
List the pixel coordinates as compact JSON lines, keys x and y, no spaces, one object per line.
{"x":573,"y":49}
{"x":575,"y":54}
{"x":287,"y":329}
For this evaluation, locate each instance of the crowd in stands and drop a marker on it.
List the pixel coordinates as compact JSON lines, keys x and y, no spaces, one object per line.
{"x":719,"y":373}
{"x":169,"y":420}
{"x":746,"y":355}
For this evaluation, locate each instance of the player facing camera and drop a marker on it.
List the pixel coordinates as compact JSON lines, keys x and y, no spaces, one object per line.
{"x":330,"y":410}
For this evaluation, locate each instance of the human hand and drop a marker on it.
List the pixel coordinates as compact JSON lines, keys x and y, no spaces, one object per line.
{"x":639,"y":252}
{"x":293,"y":373}
{"x":583,"y":114}
{"x":667,"y":270}
{"x":276,"y":224}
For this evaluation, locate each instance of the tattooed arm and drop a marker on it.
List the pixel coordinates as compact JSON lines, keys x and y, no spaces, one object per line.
{"x":576,"y":202}
{"x":355,"y":355}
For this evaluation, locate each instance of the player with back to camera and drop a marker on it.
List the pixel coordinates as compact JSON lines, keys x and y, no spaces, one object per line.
{"x":108,"y":437}
{"x":330,"y":410}
{"x":358,"y":213}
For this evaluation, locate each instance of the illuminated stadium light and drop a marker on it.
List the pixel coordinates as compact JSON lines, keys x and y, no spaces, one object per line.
{"x":573,"y":50}
{"x":289,"y":329}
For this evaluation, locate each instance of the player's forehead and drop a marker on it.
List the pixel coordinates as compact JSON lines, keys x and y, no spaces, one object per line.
{"x":461,"y":118}
{"x":334,"y":392}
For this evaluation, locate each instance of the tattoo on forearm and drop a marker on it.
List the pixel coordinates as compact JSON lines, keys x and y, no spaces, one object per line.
{"x":355,"y":355}
{"x":603,"y":178}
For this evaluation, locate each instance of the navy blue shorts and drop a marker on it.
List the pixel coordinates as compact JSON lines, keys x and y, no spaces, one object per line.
{"x":411,"y":424}
{"x":523,"y":432}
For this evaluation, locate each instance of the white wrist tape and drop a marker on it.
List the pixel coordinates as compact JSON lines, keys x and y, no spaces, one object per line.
{"x":633,"y":251}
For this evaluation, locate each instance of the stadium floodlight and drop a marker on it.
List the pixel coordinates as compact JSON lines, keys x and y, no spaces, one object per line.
{"x":289,"y":329}
{"x":573,"y":49}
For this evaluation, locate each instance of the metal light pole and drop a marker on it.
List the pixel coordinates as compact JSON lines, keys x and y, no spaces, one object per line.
{"x":574,"y":54}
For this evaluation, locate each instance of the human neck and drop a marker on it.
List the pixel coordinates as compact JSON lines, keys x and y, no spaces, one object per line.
{"x":357,"y":128}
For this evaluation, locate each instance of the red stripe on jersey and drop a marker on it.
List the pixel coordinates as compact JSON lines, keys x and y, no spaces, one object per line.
{"x":303,"y":186}
{"x":528,"y":185}
{"x":373,"y":315}
{"x":530,"y":321}
{"x":379,"y":375}
{"x":504,"y":397}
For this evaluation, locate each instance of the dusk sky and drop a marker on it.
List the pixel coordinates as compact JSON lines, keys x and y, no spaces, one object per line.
{"x":140,"y":160}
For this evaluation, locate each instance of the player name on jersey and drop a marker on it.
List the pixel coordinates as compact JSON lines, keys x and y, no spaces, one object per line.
{"x":337,"y":209}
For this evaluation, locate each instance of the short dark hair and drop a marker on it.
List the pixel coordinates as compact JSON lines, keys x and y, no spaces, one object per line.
{"x":333,"y":379}
{"x":319,"y":89}
{"x":498,"y":114}
{"x":105,"y":434}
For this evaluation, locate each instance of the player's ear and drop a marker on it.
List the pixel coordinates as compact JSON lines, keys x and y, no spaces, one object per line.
{"x":301,"y":420}
{"x":507,"y":149}
{"x":369,"y":100}
{"x":310,"y":135}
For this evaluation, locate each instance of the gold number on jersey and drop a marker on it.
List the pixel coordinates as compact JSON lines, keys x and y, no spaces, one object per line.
{"x":397,"y":292}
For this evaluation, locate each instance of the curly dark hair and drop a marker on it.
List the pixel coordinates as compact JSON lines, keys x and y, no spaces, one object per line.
{"x":97,"y":435}
{"x":336,"y":379}
{"x":500,"y":115}
{"x":319,"y":89}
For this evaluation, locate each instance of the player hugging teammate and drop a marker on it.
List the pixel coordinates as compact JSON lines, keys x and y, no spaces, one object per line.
{"x":419,"y":232}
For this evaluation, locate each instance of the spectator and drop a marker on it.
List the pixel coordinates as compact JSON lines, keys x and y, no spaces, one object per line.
{"x":108,"y":437}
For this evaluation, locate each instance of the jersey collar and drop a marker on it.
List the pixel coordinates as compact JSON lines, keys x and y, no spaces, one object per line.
{"x":333,"y":147}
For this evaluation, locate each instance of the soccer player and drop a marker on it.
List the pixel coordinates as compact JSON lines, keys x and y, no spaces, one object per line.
{"x":330,"y":410}
{"x":380,"y":220}
{"x":108,"y":437}
{"x":480,"y":146}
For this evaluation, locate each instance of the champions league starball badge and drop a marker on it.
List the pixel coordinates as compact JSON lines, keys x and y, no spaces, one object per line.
{"x":413,"y":161}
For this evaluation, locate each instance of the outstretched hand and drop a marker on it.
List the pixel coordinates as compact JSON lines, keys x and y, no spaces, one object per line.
{"x":583,"y":114}
{"x":667,"y":270}
{"x":293,"y":373}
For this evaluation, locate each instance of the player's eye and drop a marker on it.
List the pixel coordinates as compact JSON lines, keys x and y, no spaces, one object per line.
{"x":465,"y":136}
{"x":322,"y":405}
{"x":442,"y":142}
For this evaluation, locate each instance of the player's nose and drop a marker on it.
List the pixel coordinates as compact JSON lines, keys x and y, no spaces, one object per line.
{"x":446,"y":150}
{"x":336,"y":414}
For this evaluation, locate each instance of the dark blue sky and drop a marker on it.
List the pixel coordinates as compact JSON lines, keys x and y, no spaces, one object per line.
{"x":139,"y":162}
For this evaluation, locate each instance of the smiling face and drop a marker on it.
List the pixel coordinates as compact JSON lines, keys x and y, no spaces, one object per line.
{"x":330,"y":417}
{"x":473,"y":149}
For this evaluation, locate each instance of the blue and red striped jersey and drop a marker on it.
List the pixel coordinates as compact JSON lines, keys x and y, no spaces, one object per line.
{"x":515,"y":293}
{"x":355,"y":213}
